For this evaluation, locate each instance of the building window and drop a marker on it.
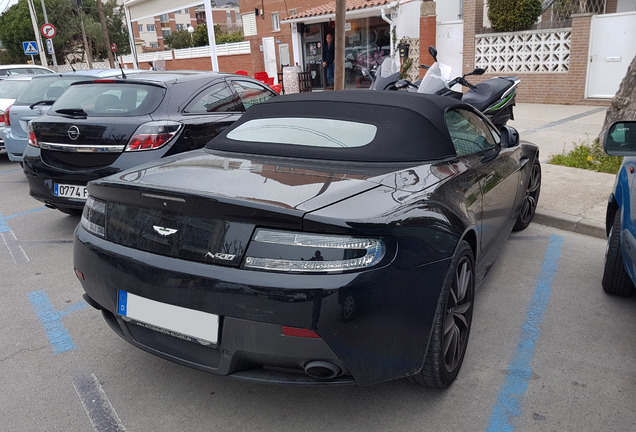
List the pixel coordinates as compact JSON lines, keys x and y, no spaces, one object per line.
{"x":140,"y":27}
{"x":249,"y":24}
{"x":166,"y":33}
{"x":154,"y":45}
{"x":164,"y":18}
{"x":150,"y":27}
{"x":181,"y":27}
{"x":275,"y":22}
{"x":292,"y":12}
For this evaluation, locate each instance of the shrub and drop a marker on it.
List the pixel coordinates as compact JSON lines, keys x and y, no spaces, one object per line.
{"x":513,"y":15}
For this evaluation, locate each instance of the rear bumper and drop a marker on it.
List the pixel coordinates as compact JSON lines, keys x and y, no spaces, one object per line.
{"x":385,"y":338}
{"x":15,"y":146}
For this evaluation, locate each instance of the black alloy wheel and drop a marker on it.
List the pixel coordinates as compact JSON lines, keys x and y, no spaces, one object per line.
{"x":452,"y":323}
{"x":615,"y":278}
{"x":530,"y":201}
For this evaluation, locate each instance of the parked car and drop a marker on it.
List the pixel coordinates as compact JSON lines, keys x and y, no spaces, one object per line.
{"x":619,"y":274}
{"x":23,"y":69}
{"x":101,"y":127}
{"x":10,"y":88}
{"x":35,"y":100}
{"x":332,"y":237}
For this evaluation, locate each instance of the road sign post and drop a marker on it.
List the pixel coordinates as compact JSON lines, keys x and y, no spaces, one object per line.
{"x":49,"y":32}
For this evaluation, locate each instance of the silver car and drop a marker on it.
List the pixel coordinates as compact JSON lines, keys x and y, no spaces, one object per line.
{"x":36,"y":99}
{"x":10,"y":88}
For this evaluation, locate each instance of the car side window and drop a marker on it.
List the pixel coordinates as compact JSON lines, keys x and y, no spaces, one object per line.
{"x":218,"y":98}
{"x":251,"y":93}
{"x":469,"y":132}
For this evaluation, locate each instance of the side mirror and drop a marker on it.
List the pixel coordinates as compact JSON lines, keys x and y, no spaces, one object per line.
{"x":433,"y":52}
{"x":477,"y":71}
{"x":620,"y":139}
{"x":509,"y":136}
{"x":403,"y":83}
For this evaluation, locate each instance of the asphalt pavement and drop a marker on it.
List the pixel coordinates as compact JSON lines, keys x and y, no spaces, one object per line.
{"x":571,"y":199}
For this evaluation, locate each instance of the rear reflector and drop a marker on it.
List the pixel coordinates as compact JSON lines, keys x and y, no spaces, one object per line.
{"x":298,"y":332}
{"x":79,"y":274}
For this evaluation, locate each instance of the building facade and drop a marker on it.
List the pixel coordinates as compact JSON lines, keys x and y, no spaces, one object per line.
{"x":150,"y":32}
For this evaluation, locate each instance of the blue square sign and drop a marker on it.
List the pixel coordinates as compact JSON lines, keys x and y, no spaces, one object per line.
{"x":30,"y":47}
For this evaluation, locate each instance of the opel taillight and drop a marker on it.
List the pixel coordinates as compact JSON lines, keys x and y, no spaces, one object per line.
{"x":153,"y":135}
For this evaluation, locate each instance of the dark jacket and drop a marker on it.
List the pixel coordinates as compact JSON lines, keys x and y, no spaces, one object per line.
{"x":328,"y":53}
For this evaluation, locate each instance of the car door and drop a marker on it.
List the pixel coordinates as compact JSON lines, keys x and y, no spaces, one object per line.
{"x":497,"y":170}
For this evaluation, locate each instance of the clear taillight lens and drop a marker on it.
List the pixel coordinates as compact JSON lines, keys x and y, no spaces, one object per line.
{"x":285,"y":251}
{"x":33,"y":141}
{"x":94,"y":217}
{"x":153,"y":135}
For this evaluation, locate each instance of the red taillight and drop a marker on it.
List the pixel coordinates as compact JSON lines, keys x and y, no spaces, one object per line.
{"x":148,"y":142}
{"x":299,"y":332}
{"x":7,"y":121}
{"x":32,"y":140}
{"x":153,"y":135}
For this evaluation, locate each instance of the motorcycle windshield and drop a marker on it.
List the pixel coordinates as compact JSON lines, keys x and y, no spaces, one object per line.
{"x":436,"y":78}
{"x":389,"y":67}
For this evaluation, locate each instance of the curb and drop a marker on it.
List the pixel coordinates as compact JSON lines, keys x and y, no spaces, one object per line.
{"x":571,"y":223}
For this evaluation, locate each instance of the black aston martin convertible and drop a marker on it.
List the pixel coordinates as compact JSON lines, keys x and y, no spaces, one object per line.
{"x":324,"y":238}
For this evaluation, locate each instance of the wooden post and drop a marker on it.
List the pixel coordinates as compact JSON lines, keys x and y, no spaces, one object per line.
{"x":339,"y":53}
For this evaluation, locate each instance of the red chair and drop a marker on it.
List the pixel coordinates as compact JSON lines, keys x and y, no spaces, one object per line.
{"x":262,"y":77}
{"x":241,"y":73}
{"x":277,"y":88}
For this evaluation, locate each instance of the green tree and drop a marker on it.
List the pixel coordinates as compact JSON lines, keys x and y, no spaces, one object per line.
{"x":513,"y":15}
{"x":16,"y":27}
{"x":181,"y":39}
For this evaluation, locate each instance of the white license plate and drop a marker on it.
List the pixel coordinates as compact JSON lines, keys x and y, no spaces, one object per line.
{"x":184,"y":323}
{"x":70,"y":191}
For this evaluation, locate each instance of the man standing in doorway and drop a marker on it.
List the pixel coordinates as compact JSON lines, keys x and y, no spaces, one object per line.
{"x":328,"y":55}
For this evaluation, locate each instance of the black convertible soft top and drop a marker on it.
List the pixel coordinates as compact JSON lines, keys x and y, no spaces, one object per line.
{"x":410,"y":126}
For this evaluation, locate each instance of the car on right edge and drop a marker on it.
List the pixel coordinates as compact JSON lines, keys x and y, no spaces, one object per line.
{"x":619,"y":274}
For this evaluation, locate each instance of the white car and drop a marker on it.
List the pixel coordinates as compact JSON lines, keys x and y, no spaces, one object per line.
{"x":10,"y":89}
{"x":22,"y":69}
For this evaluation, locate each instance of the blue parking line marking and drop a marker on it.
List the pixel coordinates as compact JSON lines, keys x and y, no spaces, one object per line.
{"x":3,"y":224}
{"x":10,"y":171}
{"x":25,"y":213}
{"x":51,"y":320}
{"x":510,"y":395}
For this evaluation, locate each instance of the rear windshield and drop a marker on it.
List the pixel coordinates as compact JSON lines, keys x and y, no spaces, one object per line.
{"x":313,"y":132}
{"x":111,"y":99}
{"x":10,"y":89}
{"x":48,"y":88}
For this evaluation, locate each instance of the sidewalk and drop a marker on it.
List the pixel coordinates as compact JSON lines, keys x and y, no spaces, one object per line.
{"x":571,"y":199}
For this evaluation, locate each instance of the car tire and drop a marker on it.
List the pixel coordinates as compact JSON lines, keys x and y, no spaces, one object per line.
{"x":71,"y":211}
{"x":615,"y":278}
{"x":530,"y":201}
{"x":451,"y":328}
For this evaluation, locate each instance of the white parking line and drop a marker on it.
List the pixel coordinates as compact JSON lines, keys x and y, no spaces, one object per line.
{"x":100,"y":412}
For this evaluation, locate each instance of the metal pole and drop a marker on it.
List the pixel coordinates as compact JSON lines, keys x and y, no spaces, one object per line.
{"x":46,"y":21}
{"x":131,"y":38}
{"x":38,"y":39}
{"x":211,"y":38}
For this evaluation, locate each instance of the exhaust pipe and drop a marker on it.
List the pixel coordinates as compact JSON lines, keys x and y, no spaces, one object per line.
{"x":322,"y":370}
